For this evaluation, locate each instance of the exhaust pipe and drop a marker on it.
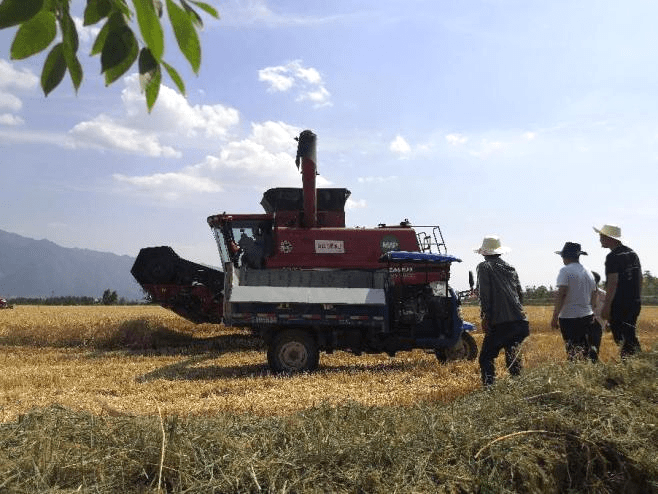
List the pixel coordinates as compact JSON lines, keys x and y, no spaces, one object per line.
{"x":306,"y":153}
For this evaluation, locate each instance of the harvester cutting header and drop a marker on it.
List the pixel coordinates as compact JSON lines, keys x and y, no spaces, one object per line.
{"x":305,"y":283}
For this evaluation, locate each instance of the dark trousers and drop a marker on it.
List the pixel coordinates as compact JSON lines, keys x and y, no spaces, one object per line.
{"x":507,"y":335}
{"x":582,"y":337}
{"x":622,"y":326}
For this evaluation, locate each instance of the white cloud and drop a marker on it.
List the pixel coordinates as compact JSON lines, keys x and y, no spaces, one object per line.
{"x":263,"y":158}
{"x":173,"y":124}
{"x":319,"y":97}
{"x":16,"y":79}
{"x":530,"y":136}
{"x":9,"y":119}
{"x":13,"y":80}
{"x":174,"y":115}
{"x":274,"y":135}
{"x":400,"y":147}
{"x":10,"y":102}
{"x":456,"y":139}
{"x":260,"y":160}
{"x":103,"y":132}
{"x":352,"y":204}
{"x":170,"y":186}
{"x":488,"y":148}
{"x":309,"y":75}
{"x":276,"y":78}
{"x":305,"y":81}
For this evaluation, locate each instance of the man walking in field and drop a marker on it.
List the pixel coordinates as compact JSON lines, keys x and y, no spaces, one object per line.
{"x":503,"y":321}
{"x":623,"y":289}
{"x":573,"y":312}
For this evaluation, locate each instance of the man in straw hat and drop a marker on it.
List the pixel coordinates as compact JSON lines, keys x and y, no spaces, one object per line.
{"x":623,"y":289}
{"x":573,"y":306}
{"x":503,"y":321}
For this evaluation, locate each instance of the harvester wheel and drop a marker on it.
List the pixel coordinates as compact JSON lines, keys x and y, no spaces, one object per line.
{"x":465,"y":349}
{"x":292,"y":351}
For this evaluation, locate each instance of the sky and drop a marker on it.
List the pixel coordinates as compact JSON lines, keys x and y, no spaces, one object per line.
{"x":532,"y":120}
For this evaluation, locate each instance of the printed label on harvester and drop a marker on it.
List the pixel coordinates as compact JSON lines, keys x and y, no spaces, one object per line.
{"x":330,"y":247}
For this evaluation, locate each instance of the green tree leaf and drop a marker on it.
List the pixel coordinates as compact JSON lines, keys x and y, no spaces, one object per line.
{"x":38,"y":21}
{"x":54,"y":69}
{"x":96,"y":10}
{"x":196,"y":18}
{"x":75,"y":69}
{"x":150,"y":77}
{"x":70,"y":44}
{"x":14,"y":12}
{"x":157,"y":4}
{"x":99,"y":42}
{"x":69,"y":33}
{"x":120,"y":49}
{"x":175,"y":76}
{"x":149,"y":26}
{"x":122,"y":7}
{"x":209,"y":9}
{"x":186,"y":35}
{"x":34,"y":35}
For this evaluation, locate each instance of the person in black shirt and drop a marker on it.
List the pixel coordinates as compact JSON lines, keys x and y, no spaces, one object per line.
{"x":623,"y":290}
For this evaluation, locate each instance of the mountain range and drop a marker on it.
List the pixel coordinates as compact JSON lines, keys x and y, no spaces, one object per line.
{"x":40,"y":268}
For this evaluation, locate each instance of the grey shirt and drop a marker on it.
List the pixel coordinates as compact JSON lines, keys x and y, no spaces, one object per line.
{"x":499,"y":291}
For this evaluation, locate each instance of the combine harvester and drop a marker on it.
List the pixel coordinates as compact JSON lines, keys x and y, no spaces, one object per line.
{"x":305,"y":283}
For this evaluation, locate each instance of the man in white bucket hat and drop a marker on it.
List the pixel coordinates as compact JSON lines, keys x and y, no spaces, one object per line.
{"x":503,"y":321}
{"x":623,"y":289}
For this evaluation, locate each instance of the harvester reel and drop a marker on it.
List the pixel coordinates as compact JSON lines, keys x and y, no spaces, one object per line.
{"x":155,"y":265}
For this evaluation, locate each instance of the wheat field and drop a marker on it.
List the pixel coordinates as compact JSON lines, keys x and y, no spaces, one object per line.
{"x":145,"y":360}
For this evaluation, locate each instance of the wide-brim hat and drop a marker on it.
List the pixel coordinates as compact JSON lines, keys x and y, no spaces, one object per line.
{"x":571,"y":250}
{"x":612,"y":231}
{"x":491,"y":246}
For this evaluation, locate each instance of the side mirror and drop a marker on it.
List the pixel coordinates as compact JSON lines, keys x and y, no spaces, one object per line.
{"x":471,"y":282}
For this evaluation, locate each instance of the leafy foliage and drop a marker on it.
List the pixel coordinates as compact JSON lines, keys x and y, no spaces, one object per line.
{"x":541,"y":295}
{"x":110,"y":297}
{"x":39,"y":22}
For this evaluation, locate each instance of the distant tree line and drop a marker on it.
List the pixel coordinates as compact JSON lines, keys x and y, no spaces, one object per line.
{"x":532,"y":295}
{"x":109,"y":297}
{"x":542,"y":295}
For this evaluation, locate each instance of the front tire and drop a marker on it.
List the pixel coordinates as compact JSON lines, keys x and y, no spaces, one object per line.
{"x":292,"y":351}
{"x":465,"y":349}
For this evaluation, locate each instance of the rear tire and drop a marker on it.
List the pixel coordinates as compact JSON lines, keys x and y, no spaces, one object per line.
{"x":465,"y":349}
{"x":292,"y":351}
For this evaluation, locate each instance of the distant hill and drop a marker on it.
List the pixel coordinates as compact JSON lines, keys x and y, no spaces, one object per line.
{"x":40,"y":268}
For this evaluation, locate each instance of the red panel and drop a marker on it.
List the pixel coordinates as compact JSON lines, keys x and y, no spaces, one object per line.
{"x":345,"y":248}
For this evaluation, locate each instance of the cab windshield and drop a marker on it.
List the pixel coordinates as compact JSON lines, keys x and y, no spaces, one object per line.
{"x":245,"y":242}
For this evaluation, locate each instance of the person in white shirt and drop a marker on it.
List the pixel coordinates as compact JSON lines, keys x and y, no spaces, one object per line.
{"x":573,"y":312}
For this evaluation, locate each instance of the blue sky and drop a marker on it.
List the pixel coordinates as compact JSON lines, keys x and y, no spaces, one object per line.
{"x":532,"y":120}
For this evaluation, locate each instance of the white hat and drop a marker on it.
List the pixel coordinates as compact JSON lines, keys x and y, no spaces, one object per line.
{"x":609,"y":231}
{"x":491,"y":246}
